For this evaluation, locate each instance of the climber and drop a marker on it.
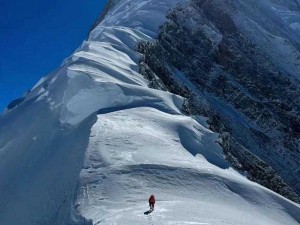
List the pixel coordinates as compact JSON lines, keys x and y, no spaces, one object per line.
{"x":151,"y":202}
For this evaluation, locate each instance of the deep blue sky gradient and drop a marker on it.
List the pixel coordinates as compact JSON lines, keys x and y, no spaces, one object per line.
{"x":35,"y":37}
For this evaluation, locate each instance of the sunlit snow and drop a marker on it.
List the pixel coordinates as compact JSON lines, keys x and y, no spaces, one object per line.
{"x":92,"y":140}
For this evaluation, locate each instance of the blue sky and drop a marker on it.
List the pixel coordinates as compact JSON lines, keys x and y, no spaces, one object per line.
{"x":35,"y":37}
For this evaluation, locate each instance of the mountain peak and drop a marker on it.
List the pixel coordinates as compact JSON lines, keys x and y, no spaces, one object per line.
{"x":149,"y":104}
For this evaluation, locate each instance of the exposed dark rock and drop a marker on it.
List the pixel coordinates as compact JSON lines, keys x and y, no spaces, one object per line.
{"x":15,"y":102}
{"x":227,"y":78}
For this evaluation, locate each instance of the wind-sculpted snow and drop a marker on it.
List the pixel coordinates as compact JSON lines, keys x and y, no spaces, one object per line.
{"x":138,"y":15}
{"x":133,"y":153}
{"x":204,"y":54}
{"x":91,"y":141}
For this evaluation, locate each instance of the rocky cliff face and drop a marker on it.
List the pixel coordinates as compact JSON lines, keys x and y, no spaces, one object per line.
{"x":214,"y":54}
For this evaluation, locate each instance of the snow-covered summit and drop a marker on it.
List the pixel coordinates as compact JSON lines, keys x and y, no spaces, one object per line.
{"x":91,"y":142}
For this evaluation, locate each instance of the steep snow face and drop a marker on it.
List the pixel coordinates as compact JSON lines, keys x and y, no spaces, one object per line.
{"x":92,"y":140}
{"x":137,"y":152}
{"x":204,"y":51}
{"x":274,"y":26}
{"x":138,"y":15}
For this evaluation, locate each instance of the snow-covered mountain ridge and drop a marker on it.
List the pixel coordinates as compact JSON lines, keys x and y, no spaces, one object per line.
{"x":207,"y":54}
{"x":91,"y":141}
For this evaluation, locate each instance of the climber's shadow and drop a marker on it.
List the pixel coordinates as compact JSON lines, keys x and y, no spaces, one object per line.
{"x":148,"y":212}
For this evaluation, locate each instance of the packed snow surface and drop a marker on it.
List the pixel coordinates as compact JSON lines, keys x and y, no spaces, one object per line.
{"x":92,"y":140}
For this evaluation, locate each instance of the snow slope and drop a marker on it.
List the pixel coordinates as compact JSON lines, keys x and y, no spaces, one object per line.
{"x":133,"y":153}
{"x":92,"y":140}
{"x":276,"y":32}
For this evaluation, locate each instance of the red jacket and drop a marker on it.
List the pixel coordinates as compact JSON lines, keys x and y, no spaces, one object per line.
{"x":151,"y":199}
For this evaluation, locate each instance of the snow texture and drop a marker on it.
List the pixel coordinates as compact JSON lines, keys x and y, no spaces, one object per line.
{"x":91,"y":140}
{"x":276,"y":32}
